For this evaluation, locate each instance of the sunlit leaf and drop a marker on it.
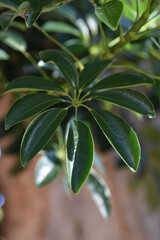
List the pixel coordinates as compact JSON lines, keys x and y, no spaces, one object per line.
{"x":100,"y":193}
{"x":47,"y":169}
{"x":110,"y":13}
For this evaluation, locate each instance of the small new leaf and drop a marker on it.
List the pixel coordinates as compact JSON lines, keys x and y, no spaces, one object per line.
{"x":110,"y":13}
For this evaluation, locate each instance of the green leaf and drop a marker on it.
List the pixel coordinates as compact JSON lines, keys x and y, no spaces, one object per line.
{"x":128,"y":98}
{"x":3,"y":55}
{"x":123,"y":79}
{"x":30,"y":10}
{"x":110,"y":13}
{"x":39,"y":132}
{"x":60,"y":27}
{"x":14,"y":39}
{"x":63,"y":62}
{"x":120,"y":135}
{"x":32,"y":83}
{"x":7,"y":17}
{"x":100,"y":193}
{"x":47,"y":170}
{"x":80,"y":153}
{"x":91,"y":72}
{"x":28,"y":106}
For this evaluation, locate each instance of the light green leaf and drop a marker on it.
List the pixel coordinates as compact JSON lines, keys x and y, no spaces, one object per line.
{"x":100,"y":193}
{"x":13,"y":39}
{"x":63,"y":62}
{"x":3,"y":55}
{"x":47,"y":170}
{"x":80,"y":153}
{"x":28,"y":106}
{"x":110,"y":13}
{"x":128,"y":98}
{"x":60,"y":27}
{"x":39,"y":132}
{"x":122,"y":79}
{"x":120,"y":135}
{"x":32,"y":83}
{"x":92,"y":71}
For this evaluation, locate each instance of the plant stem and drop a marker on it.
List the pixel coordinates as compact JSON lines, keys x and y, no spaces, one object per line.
{"x":80,"y":65}
{"x":105,"y":44}
{"x":76,"y":113}
{"x":85,"y":107}
{"x":130,"y":35}
{"x":138,"y":35}
{"x":135,"y":69}
{"x":32,"y":60}
{"x":138,"y":13}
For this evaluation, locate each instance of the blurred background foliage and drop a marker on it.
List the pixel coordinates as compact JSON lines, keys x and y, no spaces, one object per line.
{"x":76,"y":27}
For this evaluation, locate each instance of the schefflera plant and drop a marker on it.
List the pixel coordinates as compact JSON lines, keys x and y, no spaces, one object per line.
{"x":78,"y":143}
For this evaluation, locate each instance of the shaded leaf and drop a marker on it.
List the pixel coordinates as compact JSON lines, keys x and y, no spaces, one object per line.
{"x":47,"y":170}
{"x":128,"y":98}
{"x":100,"y":193}
{"x":123,"y":79}
{"x":32,"y":83}
{"x":120,"y":135}
{"x":28,"y":106}
{"x":92,"y":71}
{"x":110,"y":13}
{"x":63,"y":62}
{"x":39,"y":132}
{"x":80,"y":153}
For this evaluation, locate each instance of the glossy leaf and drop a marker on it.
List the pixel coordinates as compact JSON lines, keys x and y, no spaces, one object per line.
{"x":128,"y":98}
{"x":47,"y":170}
{"x":80,"y":153}
{"x":28,"y":106}
{"x":110,"y":13}
{"x":63,"y":62}
{"x":91,"y":72}
{"x":100,"y":193}
{"x":39,"y":132}
{"x":60,"y":27}
{"x":123,"y":79}
{"x":32,"y":83}
{"x":120,"y":135}
{"x":14,"y":39}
